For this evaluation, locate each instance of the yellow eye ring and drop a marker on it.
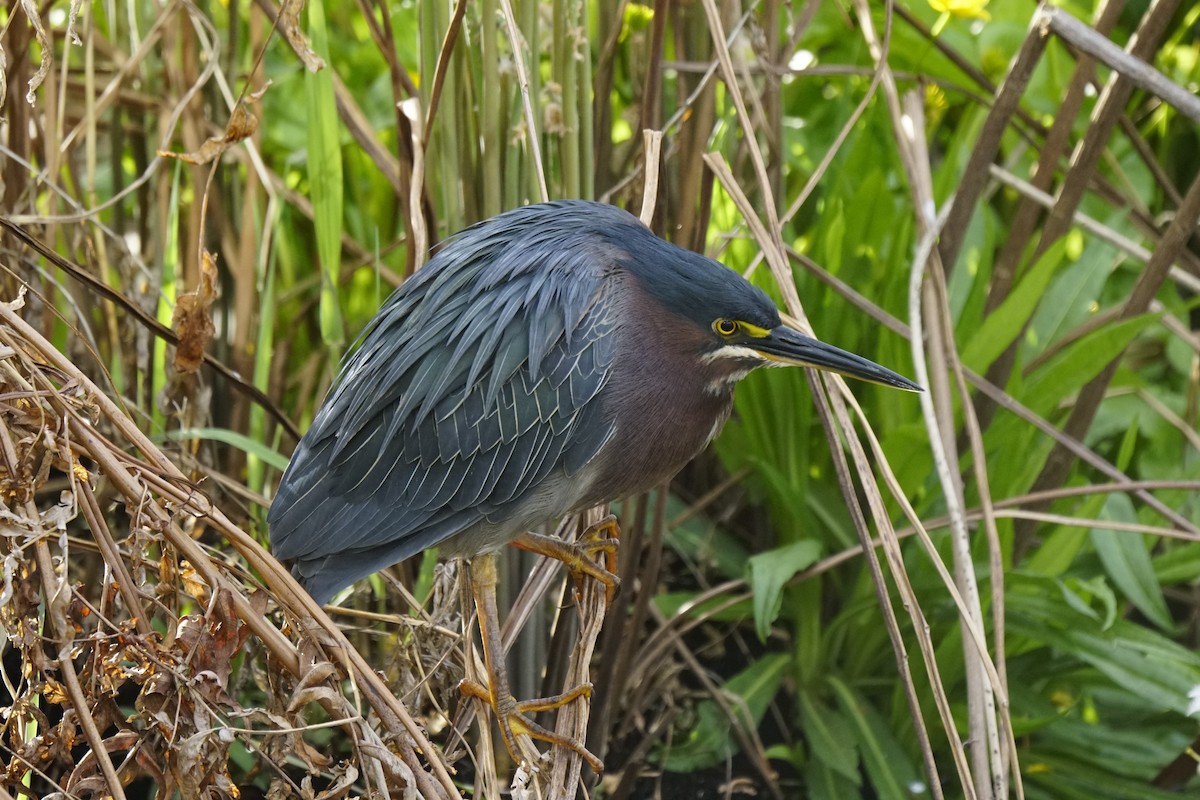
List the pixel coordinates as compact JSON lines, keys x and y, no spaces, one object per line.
{"x":725,"y":327}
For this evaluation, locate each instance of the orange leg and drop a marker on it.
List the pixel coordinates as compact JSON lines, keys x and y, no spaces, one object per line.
{"x":512,"y":715}
{"x":601,"y":539}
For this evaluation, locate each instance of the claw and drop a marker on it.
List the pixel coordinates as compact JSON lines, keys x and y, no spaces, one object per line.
{"x":514,"y":720}
{"x":580,"y":557}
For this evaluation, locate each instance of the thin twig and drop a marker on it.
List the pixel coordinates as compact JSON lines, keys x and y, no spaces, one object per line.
{"x":443,"y":66}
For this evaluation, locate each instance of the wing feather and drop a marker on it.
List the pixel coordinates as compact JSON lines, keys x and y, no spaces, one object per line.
{"x":424,"y":434}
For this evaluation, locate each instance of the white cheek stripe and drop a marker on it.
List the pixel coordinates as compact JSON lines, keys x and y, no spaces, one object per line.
{"x":734,"y":351}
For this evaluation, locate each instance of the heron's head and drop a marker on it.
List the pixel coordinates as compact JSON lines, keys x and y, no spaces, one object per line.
{"x":739,"y":327}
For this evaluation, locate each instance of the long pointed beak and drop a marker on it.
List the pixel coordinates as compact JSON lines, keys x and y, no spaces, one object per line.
{"x":792,"y":347}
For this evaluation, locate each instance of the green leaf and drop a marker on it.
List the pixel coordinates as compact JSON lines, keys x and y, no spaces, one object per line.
{"x":700,"y":539}
{"x":238,"y":440}
{"x":1128,"y":564}
{"x":831,"y":737}
{"x":325,"y":177}
{"x":824,"y":783}
{"x":891,"y":772}
{"x":1079,"y":595}
{"x":1004,"y":325}
{"x":1057,"y":553}
{"x":1072,"y":367}
{"x":768,"y":572}
{"x":714,"y":608}
{"x":1141,"y":661}
{"x":264,"y":348}
{"x":707,"y":743}
{"x":1072,"y":778}
{"x":710,"y":741}
{"x":1178,"y":565}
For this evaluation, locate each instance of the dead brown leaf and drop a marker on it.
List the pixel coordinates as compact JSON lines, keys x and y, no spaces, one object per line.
{"x":345,"y":774}
{"x":242,"y":125}
{"x":313,"y":758}
{"x":39,"y":31}
{"x":289,"y":23}
{"x":192,"y":320}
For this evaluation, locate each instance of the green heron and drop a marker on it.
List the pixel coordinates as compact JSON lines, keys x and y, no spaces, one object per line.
{"x":544,"y":361}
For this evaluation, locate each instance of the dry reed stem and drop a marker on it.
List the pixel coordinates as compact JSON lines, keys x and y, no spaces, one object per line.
{"x":908,"y":124}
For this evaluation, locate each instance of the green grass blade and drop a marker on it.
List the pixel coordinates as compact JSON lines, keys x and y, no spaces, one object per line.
{"x":325,"y":178}
{"x":235,"y":439}
{"x":1005,"y":324}
{"x":1127,"y":562}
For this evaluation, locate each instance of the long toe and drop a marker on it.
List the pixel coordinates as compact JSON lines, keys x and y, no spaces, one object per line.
{"x":582,"y":558}
{"x":514,"y":720}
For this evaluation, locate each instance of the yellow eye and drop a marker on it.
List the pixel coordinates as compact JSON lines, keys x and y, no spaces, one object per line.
{"x":725,"y":327}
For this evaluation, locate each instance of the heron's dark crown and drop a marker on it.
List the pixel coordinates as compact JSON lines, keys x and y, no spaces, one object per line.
{"x":683,"y":283}
{"x":688,"y":284}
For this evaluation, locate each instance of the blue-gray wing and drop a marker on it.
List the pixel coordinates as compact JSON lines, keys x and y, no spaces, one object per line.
{"x":479,"y":377}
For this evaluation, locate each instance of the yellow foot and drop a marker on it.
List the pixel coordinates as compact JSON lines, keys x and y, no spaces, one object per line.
{"x":581,"y":557}
{"x":514,"y":720}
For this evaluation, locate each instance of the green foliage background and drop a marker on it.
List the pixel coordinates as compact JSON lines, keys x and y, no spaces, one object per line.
{"x":314,"y":215}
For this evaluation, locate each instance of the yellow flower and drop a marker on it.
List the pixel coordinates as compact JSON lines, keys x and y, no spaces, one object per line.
{"x":965,"y":9}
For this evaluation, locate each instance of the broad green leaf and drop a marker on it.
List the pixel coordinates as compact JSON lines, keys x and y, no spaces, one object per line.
{"x":1127,"y":562}
{"x":701,"y":540}
{"x":1077,"y":290}
{"x":824,"y":783}
{"x":1113,"y":750}
{"x":757,"y":684}
{"x":714,"y":608}
{"x":1053,"y":777}
{"x":325,"y":177}
{"x":238,"y":440}
{"x":830,"y":736}
{"x":1072,"y":367}
{"x":892,"y":774}
{"x":707,"y":743}
{"x":1057,"y":552}
{"x":768,"y":572}
{"x":1080,"y":594}
{"x":1179,"y":565}
{"x":1002,"y":327}
{"x":1141,"y":661}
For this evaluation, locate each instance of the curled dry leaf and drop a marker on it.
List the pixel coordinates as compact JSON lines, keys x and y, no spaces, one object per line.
{"x":242,"y":125}
{"x":312,"y":694}
{"x":192,"y":320}
{"x":314,"y":760}
{"x":224,"y":636}
{"x":289,"y":23}
{"x":344,"y":776}
{"x":39,"y":31}
{"x":73,"y":15}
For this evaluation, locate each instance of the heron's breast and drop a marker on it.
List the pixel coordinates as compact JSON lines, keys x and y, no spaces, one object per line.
{"x":668,"y":405}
